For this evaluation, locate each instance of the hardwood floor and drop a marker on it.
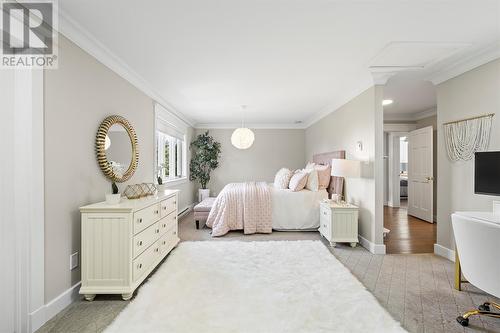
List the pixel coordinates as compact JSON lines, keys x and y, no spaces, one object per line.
{"x":408,"y":234}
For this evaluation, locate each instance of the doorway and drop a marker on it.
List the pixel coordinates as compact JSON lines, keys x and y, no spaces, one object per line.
{"x":409,"y":156}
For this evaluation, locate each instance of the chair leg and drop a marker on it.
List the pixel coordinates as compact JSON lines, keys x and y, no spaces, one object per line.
{"x":483,"y":310}
{"x":197,"y":224}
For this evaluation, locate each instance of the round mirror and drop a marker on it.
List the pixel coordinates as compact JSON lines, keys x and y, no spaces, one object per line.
{"x":116,"y":147}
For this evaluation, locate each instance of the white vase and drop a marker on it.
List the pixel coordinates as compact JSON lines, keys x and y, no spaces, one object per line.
{"x":203,"y":194}
{"x":161,"y":188}
{"x":113,"y":199}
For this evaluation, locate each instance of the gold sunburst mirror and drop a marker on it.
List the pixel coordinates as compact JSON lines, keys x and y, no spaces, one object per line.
{"x":117,"y":148}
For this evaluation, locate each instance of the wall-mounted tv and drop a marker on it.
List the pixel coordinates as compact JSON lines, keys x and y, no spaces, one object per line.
{"x":487,"y":173}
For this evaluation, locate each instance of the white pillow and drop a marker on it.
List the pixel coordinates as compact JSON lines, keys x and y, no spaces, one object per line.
{"x":310,"y":165}
{"x":298,"y":181}
{"x":282,"y":178}
{"x":312,"y":180}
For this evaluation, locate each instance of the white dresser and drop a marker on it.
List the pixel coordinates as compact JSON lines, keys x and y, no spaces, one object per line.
{"x":122,"y":244}
{"x":338,"y":223}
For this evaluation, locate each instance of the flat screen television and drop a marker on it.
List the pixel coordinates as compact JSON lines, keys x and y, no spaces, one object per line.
{"x":487,"y":173}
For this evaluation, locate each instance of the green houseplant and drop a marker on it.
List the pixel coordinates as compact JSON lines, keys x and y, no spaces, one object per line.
{"x":204,"y":159}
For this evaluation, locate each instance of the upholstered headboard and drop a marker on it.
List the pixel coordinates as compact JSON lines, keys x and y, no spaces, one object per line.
{"x":336,"y":183}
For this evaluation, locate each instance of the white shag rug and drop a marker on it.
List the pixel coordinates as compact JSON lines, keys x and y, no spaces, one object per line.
{"x":275,"y":286}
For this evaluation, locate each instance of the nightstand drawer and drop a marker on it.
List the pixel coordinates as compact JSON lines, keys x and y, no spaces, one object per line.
{"x":325,"y":212}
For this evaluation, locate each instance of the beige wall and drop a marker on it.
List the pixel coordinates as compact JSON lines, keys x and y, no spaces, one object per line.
{"x":470,"y":94}
{"x":341,"y":130}
{"x":78,"y":96}
{"x":271,"y":150}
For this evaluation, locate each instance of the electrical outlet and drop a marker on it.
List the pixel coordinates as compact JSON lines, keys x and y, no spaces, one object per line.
{"x":73,"y":261}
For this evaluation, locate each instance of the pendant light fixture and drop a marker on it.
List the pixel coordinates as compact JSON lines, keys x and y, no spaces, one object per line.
{"x":242,"y":138}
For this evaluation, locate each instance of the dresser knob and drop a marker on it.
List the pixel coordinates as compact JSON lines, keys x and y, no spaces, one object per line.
{"x":157,"y":231}
{"x":156,"y":212}
{"x":175,"y":233}
{"x":156,"y":250}
{"x":164,"y":225}
{"x":140,"y":220}
{"x":164,"y":242}
{"x":139,"y":266}
{"x":139,"y":243}
{"x":164,"y":207}
{"x":175,"y":202}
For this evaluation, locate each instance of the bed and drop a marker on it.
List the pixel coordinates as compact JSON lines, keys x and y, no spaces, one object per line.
{"x":257,"y":207}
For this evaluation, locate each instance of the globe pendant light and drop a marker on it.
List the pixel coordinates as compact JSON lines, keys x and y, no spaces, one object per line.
{"x":242,"y":138}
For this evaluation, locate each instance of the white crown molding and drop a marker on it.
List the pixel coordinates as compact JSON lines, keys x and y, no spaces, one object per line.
{"x":425,"y":114}
{"x":249,"y":125}
{"x":476,"y":59}
{"x":87,"y":42}
{"x":411,"y":116}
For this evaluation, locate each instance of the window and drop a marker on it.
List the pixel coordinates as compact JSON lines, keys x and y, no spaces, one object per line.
{"x":170,"y":156}
{"x":170,"y":146}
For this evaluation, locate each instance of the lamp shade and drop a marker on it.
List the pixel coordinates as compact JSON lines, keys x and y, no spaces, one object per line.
{"x":242,"y":138}
{"x":346,"y":168}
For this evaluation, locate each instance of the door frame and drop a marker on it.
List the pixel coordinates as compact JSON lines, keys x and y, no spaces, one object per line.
{"x":24,"y":218}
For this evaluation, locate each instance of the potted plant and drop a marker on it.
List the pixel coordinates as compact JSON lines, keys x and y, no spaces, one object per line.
{"x":204,"y":159}
{"x":114,"y":197}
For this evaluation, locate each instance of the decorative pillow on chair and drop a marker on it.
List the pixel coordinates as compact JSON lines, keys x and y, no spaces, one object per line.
{"x":298,"y":181}
{"x":282,"y":178}
{"x":324,"y":174}
{"x":312,"y":180}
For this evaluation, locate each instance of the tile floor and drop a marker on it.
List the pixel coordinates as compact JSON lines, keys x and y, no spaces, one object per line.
{"x":417,"y":289}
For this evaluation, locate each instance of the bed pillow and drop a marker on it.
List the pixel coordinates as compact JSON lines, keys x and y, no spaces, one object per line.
{"x":324,"y":174}
{"x":298,"y":181}
{"x":310,"y":165}
{"x":312,"y":180}
{"x":282,"y":178}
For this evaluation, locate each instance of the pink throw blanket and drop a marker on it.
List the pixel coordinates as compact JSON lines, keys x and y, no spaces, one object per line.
{"x":244,"y":206}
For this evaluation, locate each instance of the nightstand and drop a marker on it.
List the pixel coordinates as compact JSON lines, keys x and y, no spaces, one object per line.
{"x":338,"y":222}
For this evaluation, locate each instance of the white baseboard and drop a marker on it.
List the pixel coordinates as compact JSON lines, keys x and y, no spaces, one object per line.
{"x":372,"y":247}
{"x":444,"y":252}
{"x":43,"y":314}
{"x":186,"y":210}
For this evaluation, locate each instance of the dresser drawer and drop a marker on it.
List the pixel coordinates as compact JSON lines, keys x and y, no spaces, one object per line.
{"x":168,"y":240}
{"x":143,"y":263}
{"x":145,"y":217}
{"x":145,"y":238}
{"x":168,"y":206}
{"x":167,"y":222}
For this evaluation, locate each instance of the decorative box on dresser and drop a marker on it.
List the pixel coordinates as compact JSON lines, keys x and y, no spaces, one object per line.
{"x":123,"y":243}
{"x":339,"y":222}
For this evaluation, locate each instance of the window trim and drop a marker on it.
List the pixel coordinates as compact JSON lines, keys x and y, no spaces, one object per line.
{"x":171,"y":121}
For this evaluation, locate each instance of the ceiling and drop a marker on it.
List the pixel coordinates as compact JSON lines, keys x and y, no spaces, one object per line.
{"x":288,"y":60}
{"x":411,"y":95}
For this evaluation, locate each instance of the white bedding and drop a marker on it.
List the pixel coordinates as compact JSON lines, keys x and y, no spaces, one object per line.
{"x":296,"y":210}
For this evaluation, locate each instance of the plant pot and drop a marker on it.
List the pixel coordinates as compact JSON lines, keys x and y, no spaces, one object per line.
{"x":203,"y":194}
{"x":161,"y":188}
{"x":113,"y":199}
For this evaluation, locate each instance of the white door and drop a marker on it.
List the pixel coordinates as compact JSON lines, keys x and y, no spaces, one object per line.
{"x":420,"y":174}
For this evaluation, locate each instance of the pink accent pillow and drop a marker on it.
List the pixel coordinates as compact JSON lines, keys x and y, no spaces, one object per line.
{"x":324,"y":175}
{"x":298,"y":181}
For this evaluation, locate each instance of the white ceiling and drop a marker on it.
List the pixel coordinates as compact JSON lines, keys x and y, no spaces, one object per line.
{"x":410,"y":94}
{"x":288,"y":60}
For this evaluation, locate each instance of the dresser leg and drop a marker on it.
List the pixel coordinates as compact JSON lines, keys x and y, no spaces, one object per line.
{"x":333,"y":244}
{"x":197,"y":224}
{"x":89,"y":297}
{"x":126,"y":297}
{"x":353,"y":244}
